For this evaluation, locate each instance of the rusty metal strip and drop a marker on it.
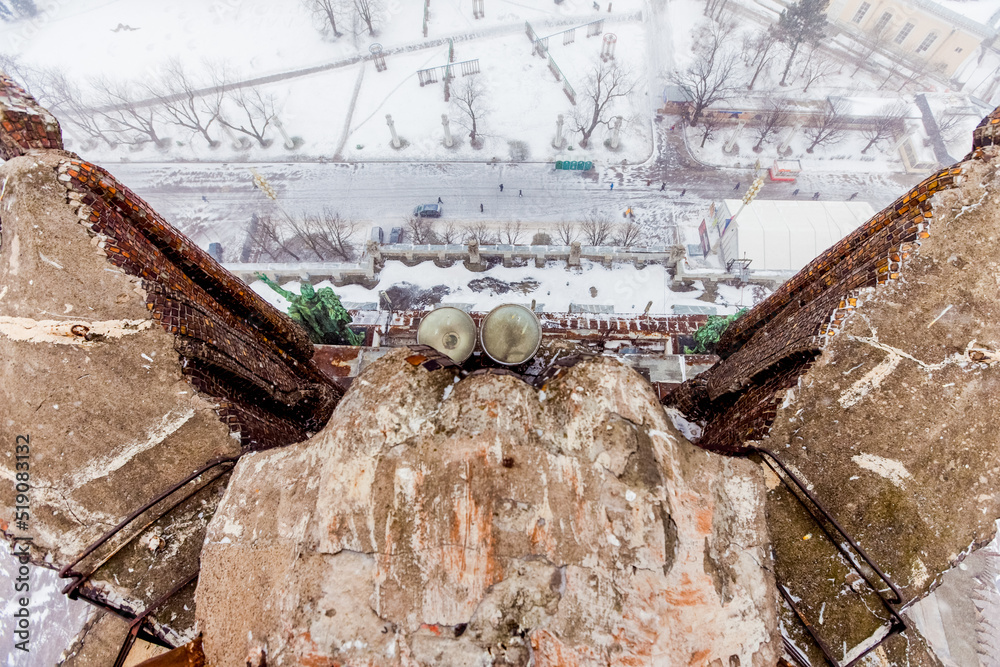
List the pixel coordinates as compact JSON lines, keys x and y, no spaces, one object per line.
{"x":896,"y":623}
{"x":140,"y":620}
{"x":67,"y":571}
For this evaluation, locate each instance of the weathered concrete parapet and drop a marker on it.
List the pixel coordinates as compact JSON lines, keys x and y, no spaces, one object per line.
{"x":95,"y":384}
{"x":765,"y":351}
{"x":24,"y":125}
{"x":235,"y":347}
{"x":482,"y":521}
{"x":895,"y":427}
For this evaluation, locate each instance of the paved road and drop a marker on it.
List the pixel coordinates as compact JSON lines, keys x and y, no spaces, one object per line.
{"x":212,"y":202}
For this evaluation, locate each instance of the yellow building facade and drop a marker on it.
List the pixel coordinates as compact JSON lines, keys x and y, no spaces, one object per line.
{"x":921,"y":30}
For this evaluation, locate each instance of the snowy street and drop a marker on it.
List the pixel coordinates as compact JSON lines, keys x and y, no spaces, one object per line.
{"x":384,"y":193}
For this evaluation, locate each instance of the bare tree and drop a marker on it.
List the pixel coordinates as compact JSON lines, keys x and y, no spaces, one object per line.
{"x":267,"y":237}
{"x":469,"y":97}
{"x":421,"y":230}
{"x":541,"y":238}
{"x":711,"y":76}
{"x":597,"y":228}
{"x":449,"y":234}
{"x":27,"y":76}
{"x":480,"y":232}
{"x":327,"y":12}
{"x":710,"y":123}
{"x":66,"y":99}
{"x":511,"y":233}
{"x":305,"y":234}
{"x":868,"y":45}
{"x":770,"y":121}
{"x":758,"y":52}
{"x":715,"y":8}
{"x":605,"y":85}
{"x":566,"y":232}
{"x":830,"y":128}
{"x":182,"y":103}
{"x":368,"y":11}
{"x":132,"y":120}
{"x":949,"y":123}
{"x":628,"y":235}
{"x":338,"y":233}
{"x":884,"y":124}
{"x":255,"y":111}
{"x":326,"y":235}
{"x":817,"y":67}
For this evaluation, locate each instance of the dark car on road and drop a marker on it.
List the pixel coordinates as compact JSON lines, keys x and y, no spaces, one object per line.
{"x":396,"y":235}
{"x":428,"y":211}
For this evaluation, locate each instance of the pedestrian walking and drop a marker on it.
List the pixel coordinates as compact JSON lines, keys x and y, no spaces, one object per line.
{"x":795,"y":191}
{"x":520,"y":193}
{"x":439,"y":201}
{"x":612,"y":186}
{"x":480,"y":208}
{"x":663,"y":186}
{"x":501,"y":187}
{"x":737,"y":186}
{"x":683,"y":191}
{"x":815,"y":196}
{"x":851,"y":198}
{"x":672,"y":127}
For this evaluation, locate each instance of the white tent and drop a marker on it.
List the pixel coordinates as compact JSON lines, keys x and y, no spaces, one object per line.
{"x":786,"y":235}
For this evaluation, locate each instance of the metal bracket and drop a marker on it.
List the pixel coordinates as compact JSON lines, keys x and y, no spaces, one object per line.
{"x":137,"y":627}
{"x":896,"y":623}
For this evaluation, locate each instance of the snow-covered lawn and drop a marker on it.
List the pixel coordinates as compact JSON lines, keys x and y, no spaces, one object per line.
{"x":133,"y":42}
{"x":624,"y":287}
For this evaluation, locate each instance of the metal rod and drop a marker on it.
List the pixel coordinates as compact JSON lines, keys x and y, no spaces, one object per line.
{"x":140,"y":620}
{"x":829,"y":517}
{"x":895,"y":622}
{"x":67,"y":571}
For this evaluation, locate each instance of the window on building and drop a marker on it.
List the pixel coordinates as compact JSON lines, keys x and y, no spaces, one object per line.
{"x":926,"y":44}
{"x":904,"y":33}
{"x":862,"y":10}
{"x":882,"y":22}
{"x":958,"y":49}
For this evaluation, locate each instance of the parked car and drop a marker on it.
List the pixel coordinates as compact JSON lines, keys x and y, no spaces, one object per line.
{"x":428,"y":211}
{"x":377,"y":235}
{"x":396,"y":235}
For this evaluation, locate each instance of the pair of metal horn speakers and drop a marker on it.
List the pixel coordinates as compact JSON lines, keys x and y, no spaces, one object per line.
{"x":510,"y":334}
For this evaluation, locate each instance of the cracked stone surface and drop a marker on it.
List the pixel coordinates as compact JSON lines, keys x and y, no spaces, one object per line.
{"x":896,"y":427}
{"x":111,"y":421}
{"x":485,"y":522}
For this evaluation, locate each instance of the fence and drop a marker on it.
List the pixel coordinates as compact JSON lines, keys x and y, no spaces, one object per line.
{"x":540,"y":46}
{"x":447,"y":72}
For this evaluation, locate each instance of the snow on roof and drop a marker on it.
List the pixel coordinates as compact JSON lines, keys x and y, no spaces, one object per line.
{"x":973,"y":15}
{"x":786,"y":235}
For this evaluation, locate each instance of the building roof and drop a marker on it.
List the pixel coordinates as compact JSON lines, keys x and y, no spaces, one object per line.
{"x":785,"y":235}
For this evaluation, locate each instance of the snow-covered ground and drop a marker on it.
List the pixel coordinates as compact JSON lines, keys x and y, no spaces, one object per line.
{"x":54,"y":619}
{"x":325,"y":109}
{"x":626,"y":289}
